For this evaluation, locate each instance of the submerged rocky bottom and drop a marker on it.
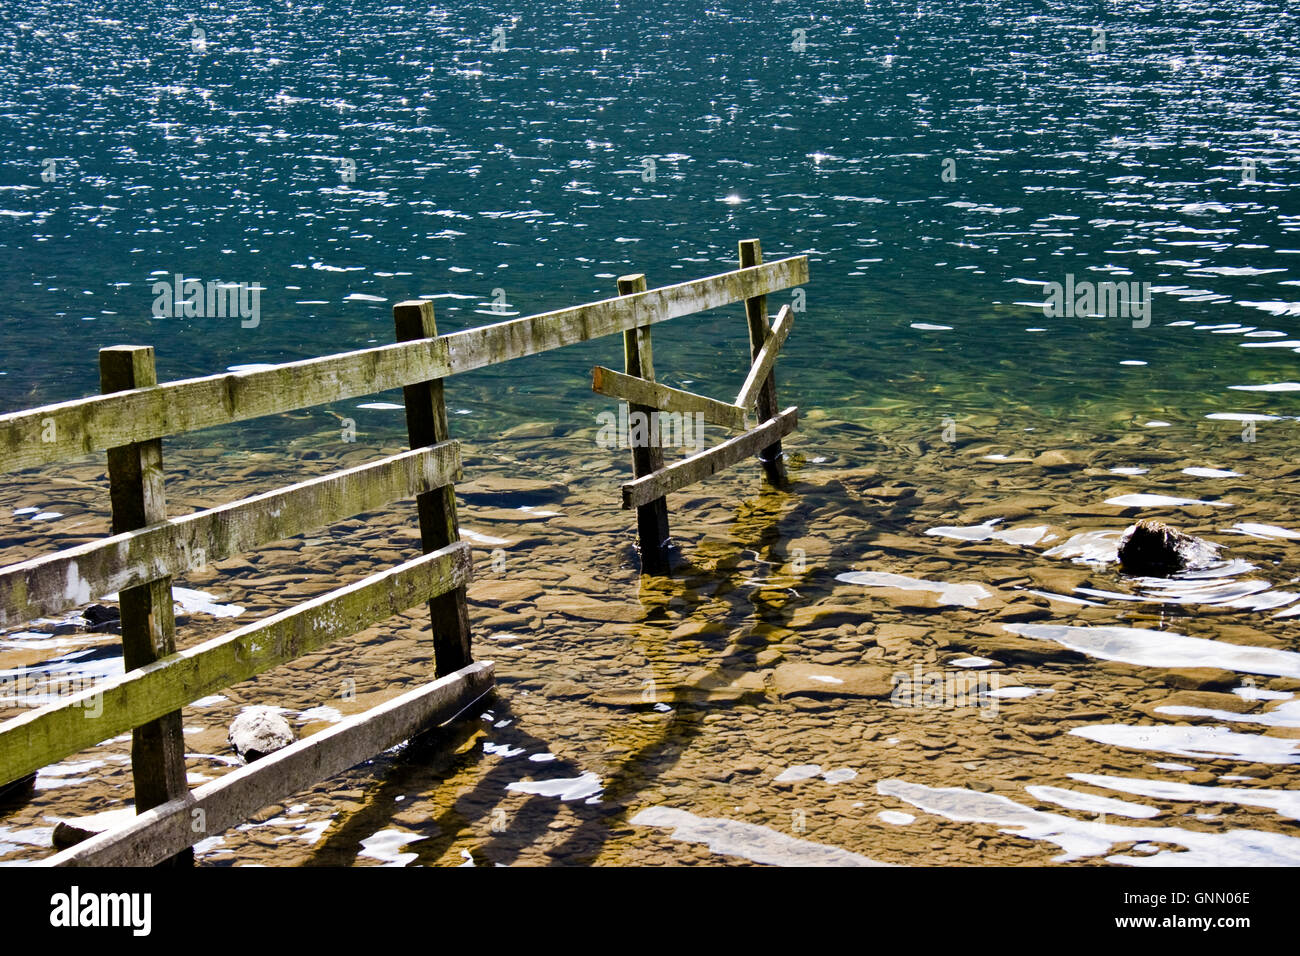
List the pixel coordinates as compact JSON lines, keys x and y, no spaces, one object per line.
{"x":923,"y":653}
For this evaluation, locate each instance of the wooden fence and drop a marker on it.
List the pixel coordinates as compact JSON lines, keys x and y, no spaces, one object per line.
{"x":147,"y":549}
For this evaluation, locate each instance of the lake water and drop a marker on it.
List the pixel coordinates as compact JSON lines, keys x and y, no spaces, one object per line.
{"x":939,"y":164}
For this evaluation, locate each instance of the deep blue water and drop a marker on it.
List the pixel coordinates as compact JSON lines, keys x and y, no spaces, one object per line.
{"x":221,"y":155}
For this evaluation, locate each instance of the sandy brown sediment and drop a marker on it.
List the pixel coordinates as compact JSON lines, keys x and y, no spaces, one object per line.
{"x":698,"y":692}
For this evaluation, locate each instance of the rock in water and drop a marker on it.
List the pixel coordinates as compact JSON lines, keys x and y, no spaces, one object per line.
{"x":73,"y":831}
{"x":259,"y":731}
{"x":1155,"y":549}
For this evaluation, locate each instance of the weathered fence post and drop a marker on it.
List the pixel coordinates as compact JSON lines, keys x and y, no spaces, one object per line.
{"x":426,"y":424}
{"x":135,"y":482}
{"x":651,"y":518}
{"x":751,"y":254}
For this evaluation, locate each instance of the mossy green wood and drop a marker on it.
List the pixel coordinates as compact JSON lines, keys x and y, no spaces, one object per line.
{"x":751,"y":254}
{"x":39,"y":738}
{"x":136,"y":493}
{"x":214,"y":807}
{"x":761,"y":370}
{"x":651,"y":515}
{"x":426,"y":424}
{"x":72,"y":577}
{"x":606,"y":381}
{"x":703,"y":464}
{"x":77,"y":428}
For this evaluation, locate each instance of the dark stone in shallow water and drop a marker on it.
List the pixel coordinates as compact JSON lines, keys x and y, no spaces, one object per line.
{"x":1155,"y":549}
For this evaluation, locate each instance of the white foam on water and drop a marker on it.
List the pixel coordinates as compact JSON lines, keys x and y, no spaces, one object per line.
{"x":961,"y":595}
{"x":1085,"y":838}
{"x":1273,"y":387}
{"x":196,"y":602}
{"x":748,"y":841}
{"x":1134,"y":645}
{"x":1211,"y":473}
{"x":897,"y":817}
{"x":1089,"y":547}
{"x":1285,"y":715}
{"x":973,"y":662}
{"x":98,"y":822}
{"x":383,"y":406}
{"x":1204,"y":743}
{"x":987,"y":531}
{"x":804,"y":771}
{"x":1284,"y":802}
{"x":27,"y":836}
{"x":843,"y":775}
{"x":253,"y":366}
{"x":1161,"y":501}
{"x":1129,"y":470}
{"x":566,"y":788}
{"x":330,"y":714}
{"x":927,"y":327}
{"x":825,"y":679}
{"x":1263,"y":530}
{"x":1242,"y":417}
{"x":1156,"y":423}
{"x":1091,"y":802}
{"x":209,"y":701}
{"x":1258,"y":693}
{"x":482,"y":538}
{"x":1173,"y":766}
{"x":385,"y":846}
{"x":502,"y":750}
{"x":1019,"y":693}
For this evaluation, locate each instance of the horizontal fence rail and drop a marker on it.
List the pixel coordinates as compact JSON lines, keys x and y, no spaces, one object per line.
{"x":638,"y":391}
{"x":158,"y":833}
{"x":35,"y":740}
{"x":708,"y":462}
{"x":140,"y":561}
{"x":72,"y":429}
{"x":74,"y":576}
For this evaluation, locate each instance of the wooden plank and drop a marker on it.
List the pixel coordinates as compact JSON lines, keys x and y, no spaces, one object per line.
{"x":490,"y":344}
{"x":72,"y":577}
{"x":228,"y":801}
{"x":647,"y":457}
{"x":426,"y":424}
{"x":709,"y":462}
{"x":761,"y":370}
{"x":72,"y":429}
{"x":80,"y":427}
{"x":135,"y":488}
{"x":41,"y":737}
{"x":751,"y":254}
{"x":606,"y":381}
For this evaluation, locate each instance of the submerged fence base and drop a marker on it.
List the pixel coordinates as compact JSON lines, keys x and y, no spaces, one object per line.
{"x":169,"y":828}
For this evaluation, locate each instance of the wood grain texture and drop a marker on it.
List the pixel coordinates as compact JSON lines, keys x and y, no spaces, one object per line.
{"x":708,"y":462}
{"x":75,"y":576}
{"x":217,"y":806}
